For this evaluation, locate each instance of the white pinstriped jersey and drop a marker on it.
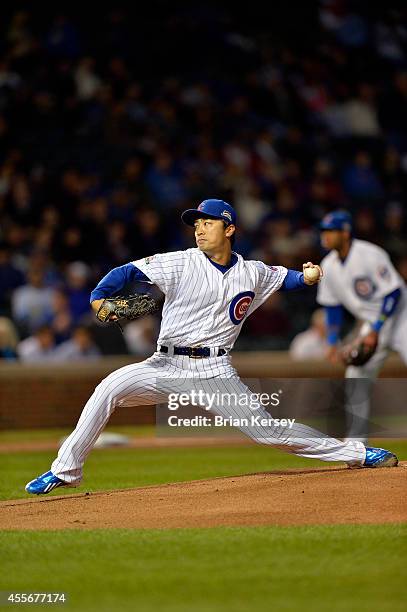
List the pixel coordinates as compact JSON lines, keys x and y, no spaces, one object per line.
{"x":203,"y":306}
{"x":360,"y":282}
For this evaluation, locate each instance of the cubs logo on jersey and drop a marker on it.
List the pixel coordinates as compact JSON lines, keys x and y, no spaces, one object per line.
{"x":364,"y":287}
{"x":239,"y":306}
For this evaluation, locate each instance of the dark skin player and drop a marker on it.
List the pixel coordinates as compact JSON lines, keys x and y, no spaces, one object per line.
{"x":341,"y":241}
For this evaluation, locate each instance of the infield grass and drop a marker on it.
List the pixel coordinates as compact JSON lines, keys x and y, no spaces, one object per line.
{"x":120,"y":468}
{"x":318,"y":568}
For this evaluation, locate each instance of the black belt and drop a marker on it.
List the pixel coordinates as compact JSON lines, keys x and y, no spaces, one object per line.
{"x":195,"y":352}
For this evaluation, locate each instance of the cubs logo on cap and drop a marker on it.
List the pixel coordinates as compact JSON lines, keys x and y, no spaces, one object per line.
{"x":337,"y":220}
{"x":239,"y":306}
{"x":210,"y":209}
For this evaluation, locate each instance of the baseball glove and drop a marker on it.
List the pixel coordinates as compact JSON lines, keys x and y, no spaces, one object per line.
{"x":126,"y":307}
{"x":358,"y":353}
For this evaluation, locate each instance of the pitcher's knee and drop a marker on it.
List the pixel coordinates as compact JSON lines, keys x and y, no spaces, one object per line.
{"x":117,"y":393}
{"x":106,"y":390}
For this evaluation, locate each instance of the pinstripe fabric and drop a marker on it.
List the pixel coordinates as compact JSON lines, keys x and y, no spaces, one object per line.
{"x":198,"y":295}
{"x":196,"y":312}
{"x":151,"y":381}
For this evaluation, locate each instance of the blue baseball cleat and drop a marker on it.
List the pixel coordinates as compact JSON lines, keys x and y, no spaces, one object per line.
{"x":44,"y":484}
{"x":379,"y":457}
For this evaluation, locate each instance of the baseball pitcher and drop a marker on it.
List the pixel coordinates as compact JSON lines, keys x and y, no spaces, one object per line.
{"x":209,"y":292}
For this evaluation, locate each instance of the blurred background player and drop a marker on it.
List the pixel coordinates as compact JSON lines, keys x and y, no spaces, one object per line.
{"x":311,"y":343}
{"x":39,"y":347}
{"x":8,"y":339}
{"x":78,"y":348}
{"x":360,"y":277}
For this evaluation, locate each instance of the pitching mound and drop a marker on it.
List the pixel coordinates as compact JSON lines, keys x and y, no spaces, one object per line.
{"x":295,"y":497}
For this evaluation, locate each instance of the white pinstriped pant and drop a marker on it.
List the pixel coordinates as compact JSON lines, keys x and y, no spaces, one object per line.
{"x":151,"y":381}
{"x":393,"y":336}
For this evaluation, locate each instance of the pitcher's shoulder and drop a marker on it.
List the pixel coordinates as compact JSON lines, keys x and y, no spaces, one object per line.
{"x":263,"y":271}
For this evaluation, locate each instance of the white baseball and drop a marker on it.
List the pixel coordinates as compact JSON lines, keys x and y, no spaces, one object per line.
{"x":311,"y":274}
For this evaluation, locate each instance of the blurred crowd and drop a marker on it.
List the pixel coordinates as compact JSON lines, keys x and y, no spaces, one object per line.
{"x":113,"y":123}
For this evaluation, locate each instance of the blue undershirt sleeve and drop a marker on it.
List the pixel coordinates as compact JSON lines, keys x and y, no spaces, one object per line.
{"x":293,"y":280}
{"x":333,"y":318}
{"x":390,"y":302}
{"x":116,"y":279}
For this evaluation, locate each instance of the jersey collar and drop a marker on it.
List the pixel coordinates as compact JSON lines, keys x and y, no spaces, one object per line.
{"x":343,"y":261}
{"x":223,"y":269}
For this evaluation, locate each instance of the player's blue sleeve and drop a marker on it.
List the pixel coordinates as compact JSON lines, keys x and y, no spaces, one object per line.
{"x":293,"y":280}
{"x":333,"y":318}
{"x":116,"y":279}
{"x":390,"y":302}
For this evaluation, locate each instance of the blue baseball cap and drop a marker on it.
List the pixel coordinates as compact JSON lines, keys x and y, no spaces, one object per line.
{"x":337,"y":220}
{"x":211,"y":209}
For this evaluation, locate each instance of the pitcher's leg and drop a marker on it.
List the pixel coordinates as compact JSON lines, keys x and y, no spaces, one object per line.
{"x":298,"y":439}
{"x":358,"y":388}
{"x":135,"y":382}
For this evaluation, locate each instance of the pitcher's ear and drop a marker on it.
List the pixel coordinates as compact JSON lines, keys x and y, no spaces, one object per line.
{"x":230,"y":233}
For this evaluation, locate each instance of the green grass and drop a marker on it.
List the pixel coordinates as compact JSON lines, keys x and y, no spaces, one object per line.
{"x":317,"y":569}
{"x":126,"y":468}
{"x":24,"y":435}
{"x":120,"y":468}
{"x":335,"y":568}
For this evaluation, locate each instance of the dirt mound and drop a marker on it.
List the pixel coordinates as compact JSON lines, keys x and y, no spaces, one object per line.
{"x":295,"y":497}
